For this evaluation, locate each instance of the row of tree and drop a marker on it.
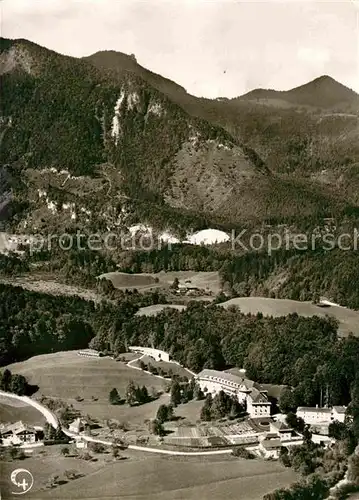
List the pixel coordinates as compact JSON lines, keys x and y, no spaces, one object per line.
{"x":300,"y":352}
{"x":220,"y":406}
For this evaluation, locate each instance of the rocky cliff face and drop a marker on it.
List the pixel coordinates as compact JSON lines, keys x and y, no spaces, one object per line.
{"x":104,"y":146}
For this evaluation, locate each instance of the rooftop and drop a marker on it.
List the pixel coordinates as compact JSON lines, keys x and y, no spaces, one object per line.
{"x":314,"y":409}
{"x":340,"y":409}
{"x":257,"y":396}
{"x":271,"y":435}
{"x":241,"y":381}
{"x":271,"y":444}
{"x":78,"y":423}
{"x":16,"y":428}
{"x":280,"y":426}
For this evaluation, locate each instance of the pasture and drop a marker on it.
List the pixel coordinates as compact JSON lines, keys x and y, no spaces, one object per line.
{"x":150,"y":477}
{"x":68,"y":376}
{"x":42,"y":466}
{"x":12,"y":410}
{"x":144,"y":281}
{"x":348,"y":319}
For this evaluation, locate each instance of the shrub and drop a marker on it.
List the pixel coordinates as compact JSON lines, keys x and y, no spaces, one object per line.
{"x":243,"y":453}
{"x":97,"y":447}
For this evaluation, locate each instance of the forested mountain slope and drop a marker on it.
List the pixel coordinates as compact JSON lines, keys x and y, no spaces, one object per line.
{"x":101,"y":145}
{"x":305,"y":130}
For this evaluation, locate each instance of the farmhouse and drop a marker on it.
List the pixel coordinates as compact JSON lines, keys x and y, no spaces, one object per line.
{"x":280,"y":429}
{"x":270,"y":446}
{"x":156,"y":354}
{"x":245,"y":390}
{"x":81,"y":443}
{"x":317,"y":415}
{"x":18,"y":433}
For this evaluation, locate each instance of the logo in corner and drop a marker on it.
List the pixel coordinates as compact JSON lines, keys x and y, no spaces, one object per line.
{"x":23,"y":480}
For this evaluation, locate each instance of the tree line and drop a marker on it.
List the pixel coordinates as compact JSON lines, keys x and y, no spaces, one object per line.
{"x":303,"y":353}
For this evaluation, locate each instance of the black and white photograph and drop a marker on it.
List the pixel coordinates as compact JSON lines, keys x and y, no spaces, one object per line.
{"x":179,"y":249}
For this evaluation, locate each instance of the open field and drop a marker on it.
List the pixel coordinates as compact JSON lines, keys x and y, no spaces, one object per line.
{"x":12,"y":410}
{"x":124,"y":280}
{"x":189,"y":412}
{"x":156,"y":309}
{"x":67,"y":375}
{"x":348,"y":319}
{"x":47,"y":284}
{"x":145,"y":282}
{"x":42,"y":467}
{"x":171,"y":478}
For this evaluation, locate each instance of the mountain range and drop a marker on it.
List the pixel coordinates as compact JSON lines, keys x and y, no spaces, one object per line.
{"x":101,"y":141}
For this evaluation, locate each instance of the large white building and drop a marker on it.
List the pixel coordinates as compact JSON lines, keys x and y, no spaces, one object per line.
{"x":258,"y":404}
{"x":245,"y":390}
{"x":317,"y":415}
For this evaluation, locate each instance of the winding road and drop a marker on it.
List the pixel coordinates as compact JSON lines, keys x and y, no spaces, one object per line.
{"x":52,"y":419}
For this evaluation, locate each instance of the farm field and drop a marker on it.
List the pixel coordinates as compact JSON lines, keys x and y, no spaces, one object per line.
{"x":188,"y":430}
{"x":66,"y":375}
{"x":348,"y":319}
{"x":12,"y":410}
{"x":151,"y":478}
{"x":146,"y":281}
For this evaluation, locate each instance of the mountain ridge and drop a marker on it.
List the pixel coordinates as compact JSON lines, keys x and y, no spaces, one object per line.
{"x":175,"y":156}
{"x":323,"y":91}
{"x":108,"y":58}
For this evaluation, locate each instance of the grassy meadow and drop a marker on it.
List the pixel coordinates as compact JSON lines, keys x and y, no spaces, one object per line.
{"x":348,"y":319}
{"x":12,"y":410}
{"x":68,"y":376}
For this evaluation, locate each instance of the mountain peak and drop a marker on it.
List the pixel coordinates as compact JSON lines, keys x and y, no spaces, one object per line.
{"x":324,"y":92}
{"x":324,"y":78}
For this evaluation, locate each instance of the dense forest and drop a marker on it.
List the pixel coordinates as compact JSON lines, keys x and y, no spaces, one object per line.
{"x":291,"y":274}
{"x":33,"y":323}
{"x":60,"y":113}
{"x":300,"y":352}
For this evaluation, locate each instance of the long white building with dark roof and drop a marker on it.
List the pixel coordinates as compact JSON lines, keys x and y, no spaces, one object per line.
{"x":245,"y":390}
{"x":315,"y":415}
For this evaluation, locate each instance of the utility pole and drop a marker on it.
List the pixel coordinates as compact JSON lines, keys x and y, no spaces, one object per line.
{"x":326,"y":404}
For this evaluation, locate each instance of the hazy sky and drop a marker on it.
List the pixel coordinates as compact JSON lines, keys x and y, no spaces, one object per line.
{"x":211,"y":47}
